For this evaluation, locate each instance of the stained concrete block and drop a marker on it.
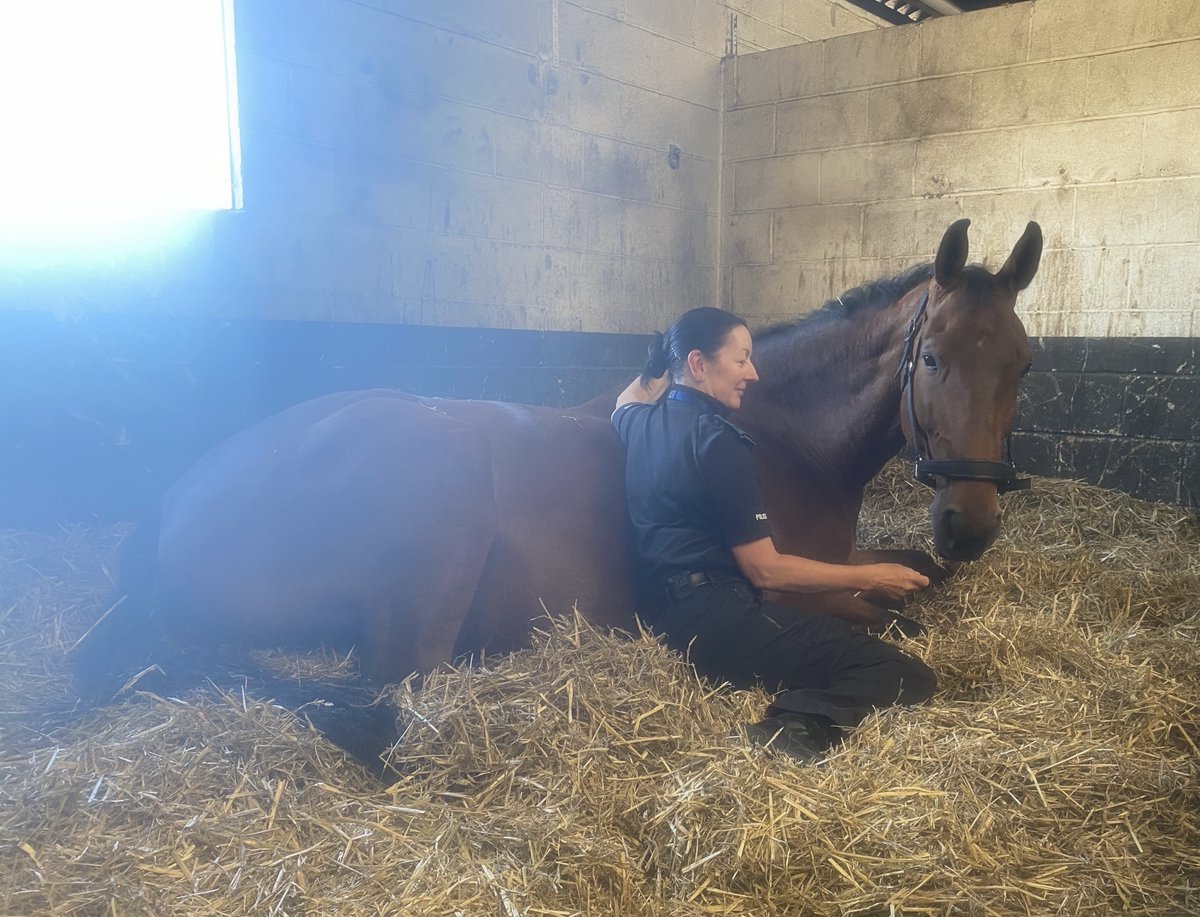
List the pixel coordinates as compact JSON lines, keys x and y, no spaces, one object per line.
{"x":1138,"y":213}
{"x":997,"y":38}
{"x":624,"y":52}
{"x":1062,"y":28}
{"x":672,"y":19}
{"x":656,"y":292}
{"x":598,"y":105}
{"x":484,"y":271}
{"x":835,"y":120}
{"x":1041,"y":92}
{"x":1070,"y":284}
{"x":437,"y":131}
{"x":767,"y":10}
{"x":650,"y":232}
{"x":758,"y":35}
{"x":636,"y":173}
{"x":615,"y":9}
{"x":775,"y":292}
{"x":1143,"y":79}
{"x":998,"y":219}
{"x":488,"y":207}
{"x":747,"y":238}
{"x":967,"y":162}
{"x":710,"y":31}
{"x":1172,"y":143}
{"x":1165,"y":285}
{"x":867,"y":173}
{"x":782,"y":181}
{"x":910,"y":228}
{"x":392,"y":194}
{"x":486,"y":75}
{"x":817,"y":233}
{"x":536,"y":151}
{"x":582,"y":220}
{"x":786,"y":73}
{"x":815,"y":21}
{"x":750,"y":132}
{"x":919,"y":108}
{"x":872,"y":58}
{"x":520,"y":24}
{"x":283,"y":176}
{"x":1081,"y":152}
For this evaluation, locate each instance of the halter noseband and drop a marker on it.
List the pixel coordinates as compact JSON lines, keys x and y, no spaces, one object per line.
{"x":1003,"y":474}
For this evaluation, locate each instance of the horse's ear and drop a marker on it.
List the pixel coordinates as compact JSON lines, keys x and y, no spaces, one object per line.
{"x":952,"y":253}
{"x":1023,"y":263}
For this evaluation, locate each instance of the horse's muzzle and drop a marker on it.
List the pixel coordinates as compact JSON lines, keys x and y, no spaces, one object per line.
{"x":966,"y":520}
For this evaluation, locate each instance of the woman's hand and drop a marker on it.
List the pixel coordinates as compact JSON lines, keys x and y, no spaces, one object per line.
{"x":893,"y":580}
{"x":767,"y":569}
{"x":638,"y":392}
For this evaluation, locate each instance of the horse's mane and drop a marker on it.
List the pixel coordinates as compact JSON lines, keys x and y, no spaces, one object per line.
{"x":873,"y":295}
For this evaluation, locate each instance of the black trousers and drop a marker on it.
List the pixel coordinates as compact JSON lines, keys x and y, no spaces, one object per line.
{"x":818,"y":664}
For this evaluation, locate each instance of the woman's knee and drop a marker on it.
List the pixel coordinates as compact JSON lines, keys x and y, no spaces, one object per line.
{"x":917,"y":681}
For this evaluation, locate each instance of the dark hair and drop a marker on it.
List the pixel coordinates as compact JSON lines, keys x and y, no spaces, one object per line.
{"x":704,"y":329}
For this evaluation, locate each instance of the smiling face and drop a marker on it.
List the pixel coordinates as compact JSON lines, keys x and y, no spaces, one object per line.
{"x":724,"y":374}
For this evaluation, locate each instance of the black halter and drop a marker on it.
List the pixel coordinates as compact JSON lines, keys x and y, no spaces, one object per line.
{"x":1002,"y":474}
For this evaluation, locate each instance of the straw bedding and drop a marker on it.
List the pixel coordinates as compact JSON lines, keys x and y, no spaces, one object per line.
{"x":1055,"y":773}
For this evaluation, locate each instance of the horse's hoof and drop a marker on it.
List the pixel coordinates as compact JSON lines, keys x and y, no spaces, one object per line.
{"x":907,"y":626}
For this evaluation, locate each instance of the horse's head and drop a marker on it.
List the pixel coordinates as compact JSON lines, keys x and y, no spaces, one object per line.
{"x":964,"y":358}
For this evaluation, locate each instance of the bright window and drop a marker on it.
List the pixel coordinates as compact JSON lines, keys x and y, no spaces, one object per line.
{"x":116,"y":109}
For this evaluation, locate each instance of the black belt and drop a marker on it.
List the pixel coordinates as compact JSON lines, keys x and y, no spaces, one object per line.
{"x":684,"y":585}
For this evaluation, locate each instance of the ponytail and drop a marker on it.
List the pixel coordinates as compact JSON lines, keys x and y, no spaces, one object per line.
{"x":658,"y":359}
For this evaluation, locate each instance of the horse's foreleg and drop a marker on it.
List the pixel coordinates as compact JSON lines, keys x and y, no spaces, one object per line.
{"x":854,"y":608}
{"x":923,"y":563}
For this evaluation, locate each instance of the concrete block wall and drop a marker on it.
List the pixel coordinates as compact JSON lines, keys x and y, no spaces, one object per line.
{"x":1083,"y":119}
{"x":536,"y":164}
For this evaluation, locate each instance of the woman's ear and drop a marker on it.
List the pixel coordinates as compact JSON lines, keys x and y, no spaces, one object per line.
{"x":695,"y":365}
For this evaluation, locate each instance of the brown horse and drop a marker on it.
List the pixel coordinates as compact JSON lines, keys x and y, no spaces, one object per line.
{"x":419,"y":529}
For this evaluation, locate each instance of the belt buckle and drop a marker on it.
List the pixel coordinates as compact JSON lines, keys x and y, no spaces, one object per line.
{"x":684,"y":585}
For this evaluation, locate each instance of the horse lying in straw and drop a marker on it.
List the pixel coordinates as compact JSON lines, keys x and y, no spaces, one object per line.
{"x":421,"y":529}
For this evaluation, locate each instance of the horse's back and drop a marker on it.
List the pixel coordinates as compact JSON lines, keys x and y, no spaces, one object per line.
{"x":559,"y":479}
{"x":388,"y":520}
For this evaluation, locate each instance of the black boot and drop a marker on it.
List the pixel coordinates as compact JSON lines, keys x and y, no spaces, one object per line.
{"x":800,"y":736}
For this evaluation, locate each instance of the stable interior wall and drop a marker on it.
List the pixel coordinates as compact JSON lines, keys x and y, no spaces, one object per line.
{"x":462,"y":198}
{"x":496,"y":200}
{"x":846,"y":159}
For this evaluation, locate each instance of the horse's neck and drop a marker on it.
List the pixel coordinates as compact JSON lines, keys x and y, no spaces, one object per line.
{"x":830,"y":396}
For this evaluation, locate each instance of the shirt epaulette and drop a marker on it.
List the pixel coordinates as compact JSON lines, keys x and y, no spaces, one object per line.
{"x":746,"y":437}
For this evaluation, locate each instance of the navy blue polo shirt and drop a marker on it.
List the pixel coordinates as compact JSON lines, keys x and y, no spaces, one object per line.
{"x":690,"y":485}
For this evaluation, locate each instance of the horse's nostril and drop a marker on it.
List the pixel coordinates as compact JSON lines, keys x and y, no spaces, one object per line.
{"x":968,"y":548}
{"x":957,"y":538}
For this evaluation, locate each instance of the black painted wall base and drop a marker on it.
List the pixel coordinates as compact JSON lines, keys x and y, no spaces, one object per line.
{"x":1122,"y":413}
{"x":103,"y":413}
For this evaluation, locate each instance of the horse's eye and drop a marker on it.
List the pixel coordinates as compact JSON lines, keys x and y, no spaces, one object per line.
{"x":930,"y":361}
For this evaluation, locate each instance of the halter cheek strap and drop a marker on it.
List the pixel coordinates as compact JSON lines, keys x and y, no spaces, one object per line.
{"x":1003,"y":474}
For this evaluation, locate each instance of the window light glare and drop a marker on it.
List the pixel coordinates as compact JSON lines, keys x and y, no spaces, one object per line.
{"x":114,"y":110}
